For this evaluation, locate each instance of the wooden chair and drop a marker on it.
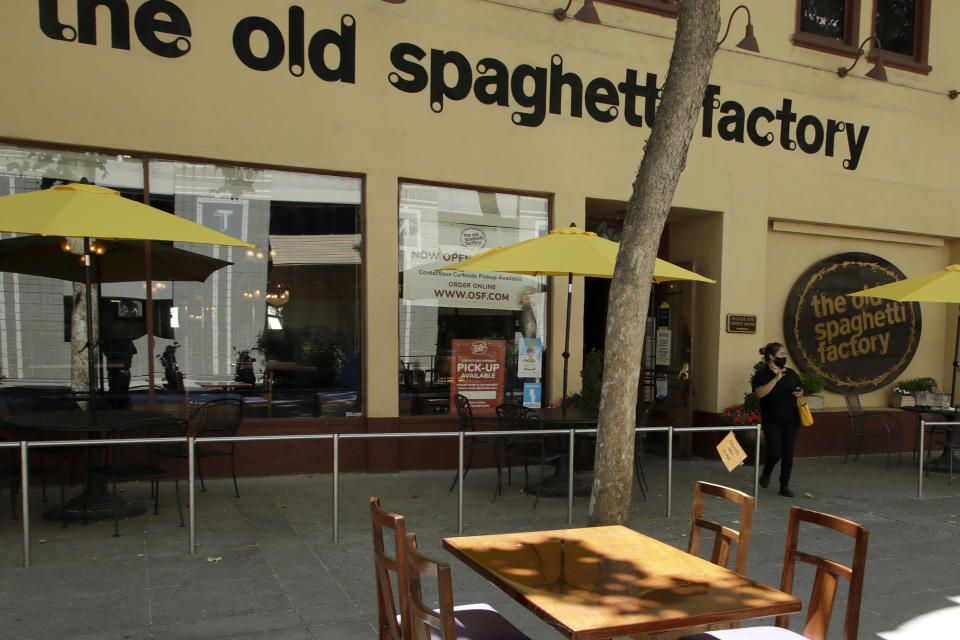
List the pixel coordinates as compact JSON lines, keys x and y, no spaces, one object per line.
{"x":820,"y":605}
{"x":391,"y":626}
{"x":725,"y":536}
{"x":859,"y":425}
{"x":471,"y":621}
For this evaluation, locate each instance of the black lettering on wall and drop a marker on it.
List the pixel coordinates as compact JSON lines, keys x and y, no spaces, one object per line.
{"x":50,"y":23}
{"x":162,"y":16}
{"x":710,"y":103}
{"x":492,"y":89}
{"x":346,"y":44}
{"x":241,"y":43}
{"x":439,"y":89}
{"x":761,"y":140}
{"x":807,"y":145}
{"x":119,"y":22}
{"x":631,"y":91}
{"x":730,"y":126}
{"x":418,"y":77}
{"x":786,"y":116}
{"x":537,"y":99}
{"x":833,"y":128}
{"x":855,"y":143}
{"x":601,"y":91}
{"x":559,"y":80}
{"x":296,"y":30}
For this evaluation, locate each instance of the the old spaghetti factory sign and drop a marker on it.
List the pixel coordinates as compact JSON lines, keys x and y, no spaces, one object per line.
{"x":856,"y":344}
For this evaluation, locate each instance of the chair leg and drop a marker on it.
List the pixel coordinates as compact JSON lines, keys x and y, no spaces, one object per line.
{"x":466,"y":468}
{"x":176,"y":490}
{"x":233,"y":472}
{"x":497,"y":491}
{"x":203,"y":487}
{"x":888,"y":449}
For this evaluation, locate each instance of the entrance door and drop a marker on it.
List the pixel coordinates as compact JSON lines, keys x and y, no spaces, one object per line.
{"x":668,"y":357}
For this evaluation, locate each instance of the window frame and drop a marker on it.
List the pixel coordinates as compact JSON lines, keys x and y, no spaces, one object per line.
{"x":666,"y":8}
{"x":919,"y":61}
{"x":847,"y":46}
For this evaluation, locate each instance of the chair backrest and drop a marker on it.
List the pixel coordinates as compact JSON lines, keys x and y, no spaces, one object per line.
{"x":147,"y":454}
{"x":517,"y":416}
{"x":820,"y":606}
{"x":724,"y":536}
{"x":853,"y":405}
{"x":464,"y":412}
{"x":422,"y":614}
{"x":220,"y":417}
{"x":383,"y":564}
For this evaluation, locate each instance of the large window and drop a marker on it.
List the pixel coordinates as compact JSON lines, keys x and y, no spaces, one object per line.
{"x":828,"y":25}
{"x":441,"y":225}
{"x":903,"y":28}
{"x":293,"y":304}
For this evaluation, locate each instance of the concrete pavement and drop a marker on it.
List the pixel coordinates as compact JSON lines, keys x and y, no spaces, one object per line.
{"x":265,"y":566}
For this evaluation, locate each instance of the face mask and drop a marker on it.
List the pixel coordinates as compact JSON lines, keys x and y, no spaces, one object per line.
{"x":780,"y":362}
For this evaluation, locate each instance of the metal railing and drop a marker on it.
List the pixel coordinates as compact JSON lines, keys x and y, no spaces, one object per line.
{"x":461,"y":436}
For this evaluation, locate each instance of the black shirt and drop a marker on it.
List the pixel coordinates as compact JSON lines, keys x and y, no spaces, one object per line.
{"x":780,"y":405}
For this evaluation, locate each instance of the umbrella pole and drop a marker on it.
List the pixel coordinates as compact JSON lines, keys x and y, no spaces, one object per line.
{"x":91,"y":369}
{"x":956,"y":364}
{"x":566,"y":347}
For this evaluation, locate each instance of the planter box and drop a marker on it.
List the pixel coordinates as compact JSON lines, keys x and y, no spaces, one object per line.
{"x":897,"y":401}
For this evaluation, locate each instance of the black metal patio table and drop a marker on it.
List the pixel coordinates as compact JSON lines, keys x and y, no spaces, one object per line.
{"x":96,"y":500}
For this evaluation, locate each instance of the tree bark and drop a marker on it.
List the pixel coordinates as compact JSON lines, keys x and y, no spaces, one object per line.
{"x":698,"y":22}
{"x":79,"y":365}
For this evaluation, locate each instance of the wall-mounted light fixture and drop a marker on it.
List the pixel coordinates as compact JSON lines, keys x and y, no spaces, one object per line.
{"x":587,"y":13}
{"x":749,"y":42}
{"x":395,"y":1}
{"x":878,"y":72}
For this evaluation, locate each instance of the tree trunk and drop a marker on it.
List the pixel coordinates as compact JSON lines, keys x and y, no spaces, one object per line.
{"x":79,"y":365}
{"x":664,"y":158}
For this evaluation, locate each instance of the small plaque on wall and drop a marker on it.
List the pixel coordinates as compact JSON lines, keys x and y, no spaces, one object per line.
{"x":739,"y":323}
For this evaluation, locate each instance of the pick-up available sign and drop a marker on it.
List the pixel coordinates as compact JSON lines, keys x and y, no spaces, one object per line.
{"x":477,"y":373}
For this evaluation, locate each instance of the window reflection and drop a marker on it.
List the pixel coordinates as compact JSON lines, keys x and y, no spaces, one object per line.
{"x":441,"y":225}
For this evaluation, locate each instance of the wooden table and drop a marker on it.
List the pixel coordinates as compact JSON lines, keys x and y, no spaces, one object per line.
{"x":606,"y":582}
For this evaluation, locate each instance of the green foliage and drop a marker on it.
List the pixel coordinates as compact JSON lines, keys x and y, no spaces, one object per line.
{"x":910,"y":386}
{"x":751,"y":402}
{"x":591,"y":377}
{"x":812,"y":382}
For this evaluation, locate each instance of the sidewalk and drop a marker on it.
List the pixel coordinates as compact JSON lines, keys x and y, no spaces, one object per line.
{"x":265,"y":566}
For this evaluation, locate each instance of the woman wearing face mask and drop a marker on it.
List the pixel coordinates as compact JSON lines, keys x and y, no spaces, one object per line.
{"x":778,"y":389}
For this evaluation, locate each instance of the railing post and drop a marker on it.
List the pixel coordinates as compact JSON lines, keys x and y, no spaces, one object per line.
{"x":192,"y":493}
{"x":460,"y":483}
{"x":669,"y":469}
{"x":572,"y":437}
{"x":25,"y":502}
{"x":336,"y":488}
{"x":756,"y":471}
{"x":923,"y":427}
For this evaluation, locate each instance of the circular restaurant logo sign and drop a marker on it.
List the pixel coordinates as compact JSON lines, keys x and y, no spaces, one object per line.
{"x":856,"y":344}
{"x":473,"y":238}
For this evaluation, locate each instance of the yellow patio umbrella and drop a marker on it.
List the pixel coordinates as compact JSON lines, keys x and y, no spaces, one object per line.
{"x":86,"y":211}
{"x":567,"y":251}
{"x":939,"y":286}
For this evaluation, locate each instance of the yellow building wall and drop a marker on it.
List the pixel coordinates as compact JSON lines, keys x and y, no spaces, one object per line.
{"x":208,"y":104}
